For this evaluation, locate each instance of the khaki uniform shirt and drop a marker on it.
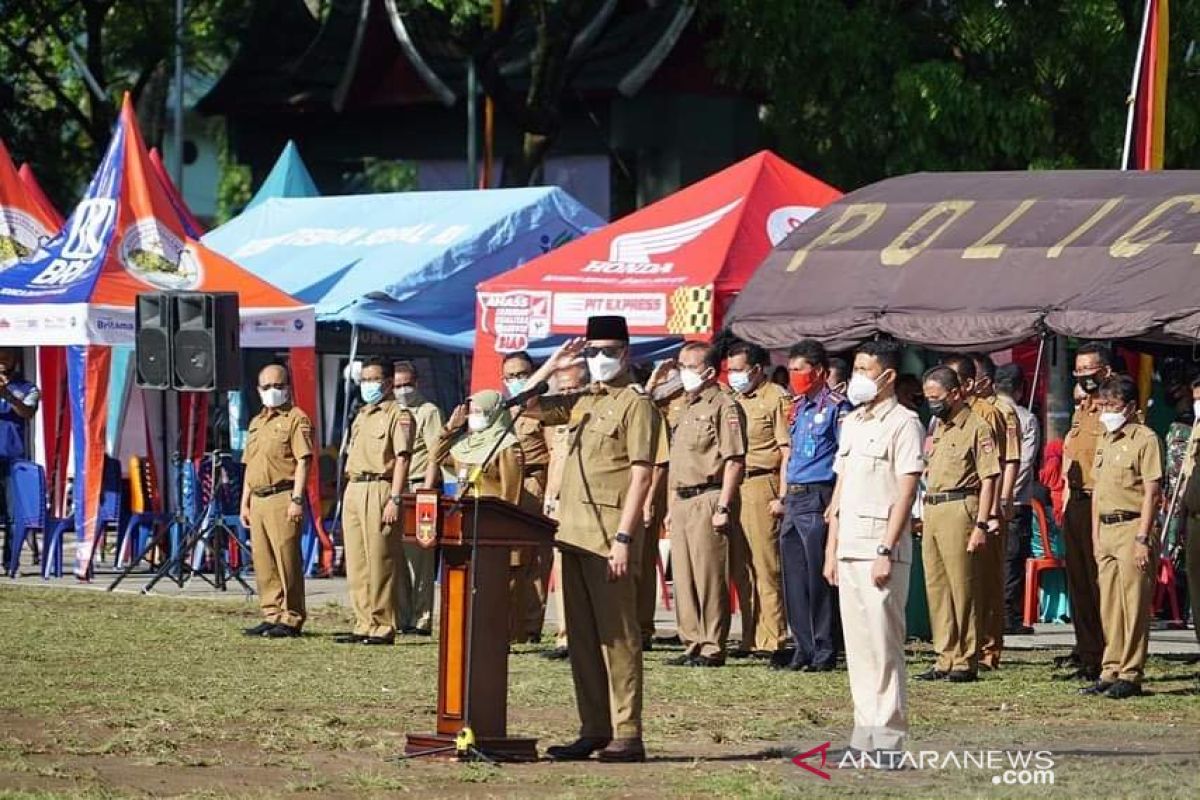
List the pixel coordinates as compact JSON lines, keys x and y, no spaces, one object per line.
{"x":876,"y":447}
{"x":501,"y":478}
{"x":380,"y":432}
{"x":710,"y":432}
{"x":612,"y":427}
{"x":1011,"y":446}
{"x":534,"y":447}
{"x":766,"y":410}
{"x":559,"y":437}
{"x":672,"y":410}
{"x":962,"y":454}
{"x":986,"y":409}
{"x":277,"y":440}
{"x":428,"y":419}
{"x":1125,"y":461}
{"x":1079,"y":446}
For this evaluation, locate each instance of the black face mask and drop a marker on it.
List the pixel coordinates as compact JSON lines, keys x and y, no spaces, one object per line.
{"x":940,"y":409}
{"x":1088,"y":383}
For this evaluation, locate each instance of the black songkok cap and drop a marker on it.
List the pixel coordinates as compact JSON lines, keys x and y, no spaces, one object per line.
{"x":607,"y":328}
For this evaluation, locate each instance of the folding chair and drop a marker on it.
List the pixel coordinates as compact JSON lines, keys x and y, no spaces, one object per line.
{"x":29,"y":511}
{"x":1034,"y":567}
{"x":144,"y":521}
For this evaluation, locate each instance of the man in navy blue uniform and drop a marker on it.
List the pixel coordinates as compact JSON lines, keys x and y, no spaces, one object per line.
{"x":18,"y":404}
{"x":816,"y":422}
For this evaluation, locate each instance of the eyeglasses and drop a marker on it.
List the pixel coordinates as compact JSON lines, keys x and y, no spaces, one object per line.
{"x":517,"y":375}
{"x":612,"y":351}
{"x":266,"y":386}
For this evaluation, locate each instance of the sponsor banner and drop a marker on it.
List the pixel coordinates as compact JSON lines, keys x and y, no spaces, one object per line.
{"x":278,"y":327}
{"x":515,"y":318}
{"x":43,"y":324}
{"x":641,"y":310}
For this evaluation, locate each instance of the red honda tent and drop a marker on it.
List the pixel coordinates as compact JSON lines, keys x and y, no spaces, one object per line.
{"x":671,"y":268}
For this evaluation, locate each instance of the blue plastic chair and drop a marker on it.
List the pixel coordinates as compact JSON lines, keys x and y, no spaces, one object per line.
{"x":111,"y":516}
{"x":29,"y":511}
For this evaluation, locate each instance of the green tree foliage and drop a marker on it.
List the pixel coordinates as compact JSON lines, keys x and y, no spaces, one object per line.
{"x":856,"y":91}
{"x":64,"y":65}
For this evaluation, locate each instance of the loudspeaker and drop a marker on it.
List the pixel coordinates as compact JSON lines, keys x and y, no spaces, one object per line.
{"x":152,"y":340}
{"x":206,"y":346}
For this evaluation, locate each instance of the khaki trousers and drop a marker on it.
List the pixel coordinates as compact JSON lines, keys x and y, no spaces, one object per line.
{"x":874,"y":625}
{"x":1192,"y":562}
{"x":991,"y":598}
{"x":606,"y":647}
{"x":952,"y":583}
{"x":647,"y":571}
{"x":278,"y":567}
{"x":1083,"y":587}
{"x":374,"y":559}
{"x":754,"y":562}
{"x":699,"y":564}
{"x":416,"y":584}
{"x":560,"y":638}
{"x":1125,"y":595}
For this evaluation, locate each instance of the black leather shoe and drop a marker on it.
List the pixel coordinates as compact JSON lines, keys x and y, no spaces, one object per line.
{"x":282,"y":631}
{"x":1097,"y":688}
{"x":348,"y":638}
{"x":962,"y":676}
{"x":259,"y":629}
{"x":707,"y":661}
{"x":579,"y":750}
{"x":780,"y":659}
{"x":557,"y":654}
{"x":1069,"y":661}
{"x":412,"y":630}
{"x":648,"y":644}
{"x":829,"y":667}
{"x":1018,"y":630}
{"x":762,"y":655}
{"x":623,"y":751}
{"x":740,"y":653}
{"x":932,"y":675}
{"x":682,"y":660}
{"x":1090,"y":674}
{"x":379,"y":639}
{"x":1122,"y":690}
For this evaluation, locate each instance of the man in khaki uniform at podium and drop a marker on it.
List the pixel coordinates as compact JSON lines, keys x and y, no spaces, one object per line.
{"x":376,"y":472}
{"x":613,"y":440}
{"x":277,"y":457}
{"x":416,"y":576}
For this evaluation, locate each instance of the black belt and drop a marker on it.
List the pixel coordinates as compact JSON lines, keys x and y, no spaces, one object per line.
{"x":937,"y":498}
{"x":807,"y":488}
{"x":758,"y":473}
{"x":685,"y":492}
{"x":1080,"y":492}
{"x":369,"y":477}
{"x":271,"y":491}
{"x":1119,"y":516}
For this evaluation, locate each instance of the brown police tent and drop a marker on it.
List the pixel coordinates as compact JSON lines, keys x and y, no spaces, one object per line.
{"x":959,"y":260}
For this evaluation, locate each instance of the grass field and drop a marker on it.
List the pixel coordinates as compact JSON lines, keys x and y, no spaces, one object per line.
{"x":113,"y":696}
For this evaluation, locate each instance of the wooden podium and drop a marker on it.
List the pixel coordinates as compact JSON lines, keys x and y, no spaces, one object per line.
{"x":502,"y":526}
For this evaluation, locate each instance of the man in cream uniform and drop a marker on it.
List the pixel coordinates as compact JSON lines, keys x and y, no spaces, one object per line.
{"x":869,"y":552}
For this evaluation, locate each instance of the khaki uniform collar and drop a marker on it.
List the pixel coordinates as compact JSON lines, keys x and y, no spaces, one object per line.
{"x":960,"y":417}
{"x":707,"y":394}
{"x":881,"y":409}
{"x":278,"y":411}
{"x":616,"y":384}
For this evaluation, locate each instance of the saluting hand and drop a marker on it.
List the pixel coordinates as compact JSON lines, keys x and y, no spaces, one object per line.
{"x":458,"y":417}
{"x":567,"y":355}
{"x":618,"y":561}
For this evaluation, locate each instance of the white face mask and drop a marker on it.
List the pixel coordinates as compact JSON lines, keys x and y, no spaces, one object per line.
{"x":740,"y":381}
{"x":861,"y":389}
{"x":273,"y":398}
{"x":477,"y":422}
{"x":690,"y":379}
{"x":405,"y":394}
{"x":1196,"y":410}
{"x":602,"y":368}
{"x":1112,"y":420}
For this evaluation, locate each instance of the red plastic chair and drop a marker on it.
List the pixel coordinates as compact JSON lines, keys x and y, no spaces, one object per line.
{"x":1034,"y":567}
{"x":1165,"y":592}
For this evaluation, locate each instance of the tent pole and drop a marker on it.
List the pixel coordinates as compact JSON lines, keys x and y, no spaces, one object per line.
{"x":1131,"y":100}
{"x":337,"y":514}
{"x":1037,"y":372}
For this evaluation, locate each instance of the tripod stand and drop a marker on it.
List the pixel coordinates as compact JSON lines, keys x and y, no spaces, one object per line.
{"x":464,"y":745}
{"x":209,"y":532}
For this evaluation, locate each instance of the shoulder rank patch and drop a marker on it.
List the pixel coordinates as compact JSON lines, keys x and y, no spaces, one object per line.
{"x":987,"y":444}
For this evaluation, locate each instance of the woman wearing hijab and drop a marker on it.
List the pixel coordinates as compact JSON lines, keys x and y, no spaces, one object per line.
{"x":474,"y":430}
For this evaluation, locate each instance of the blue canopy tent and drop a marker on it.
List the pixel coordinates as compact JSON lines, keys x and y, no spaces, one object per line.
{"x":288,"y":178}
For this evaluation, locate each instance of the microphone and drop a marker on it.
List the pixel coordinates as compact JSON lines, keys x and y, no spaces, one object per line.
{"x":523,"y":397}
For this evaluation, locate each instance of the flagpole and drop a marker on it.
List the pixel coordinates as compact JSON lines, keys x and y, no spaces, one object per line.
{"x":1131,"y":100}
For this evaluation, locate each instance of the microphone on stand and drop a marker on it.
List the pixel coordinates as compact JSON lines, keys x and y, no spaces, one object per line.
{"x":521,"y":398}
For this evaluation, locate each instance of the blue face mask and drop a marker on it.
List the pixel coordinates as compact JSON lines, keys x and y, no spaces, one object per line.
{"x":514,"y":386}
{"x":740,"y":381}
{"x":371,"y":392}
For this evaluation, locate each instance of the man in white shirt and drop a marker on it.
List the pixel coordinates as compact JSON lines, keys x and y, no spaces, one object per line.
{"x":869,"y":551}
{"x":1010,"y":386}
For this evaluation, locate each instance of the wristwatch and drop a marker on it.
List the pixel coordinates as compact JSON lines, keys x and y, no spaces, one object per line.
{"x":623,"y":538}
{"x":397,"y":500}
{"x":883,"y":550}
{"x":983,"y":526}
{"x":722,"y":509}
{"x":298,"y":499}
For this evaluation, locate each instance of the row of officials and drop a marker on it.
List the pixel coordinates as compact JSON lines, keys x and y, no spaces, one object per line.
{"x":799,"y":495}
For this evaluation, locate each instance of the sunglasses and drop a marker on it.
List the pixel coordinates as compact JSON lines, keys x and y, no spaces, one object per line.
{"x":612,"y":351}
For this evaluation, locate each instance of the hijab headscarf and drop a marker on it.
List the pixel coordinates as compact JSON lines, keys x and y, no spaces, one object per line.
{"x":472,"y":447}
